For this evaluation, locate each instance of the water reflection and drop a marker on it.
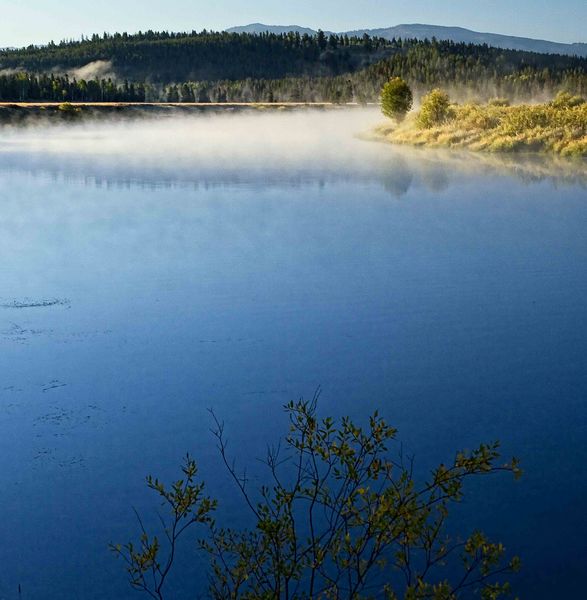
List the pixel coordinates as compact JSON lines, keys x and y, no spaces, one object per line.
{"x":290,"y":149}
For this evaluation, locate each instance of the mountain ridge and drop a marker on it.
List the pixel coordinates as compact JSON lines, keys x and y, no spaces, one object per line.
{"x":441,"y":32}
{"x":261,"y":28}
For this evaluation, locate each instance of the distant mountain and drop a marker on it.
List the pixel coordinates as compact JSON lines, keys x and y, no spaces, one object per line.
{"x":260,"y":28}
{"x":459,"y":34}
{"x":455,"y":34}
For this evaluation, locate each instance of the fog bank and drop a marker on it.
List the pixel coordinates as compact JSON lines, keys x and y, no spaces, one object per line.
{"x":269,"y":147}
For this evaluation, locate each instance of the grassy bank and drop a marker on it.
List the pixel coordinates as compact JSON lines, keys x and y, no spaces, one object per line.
{"x":557,"y":127}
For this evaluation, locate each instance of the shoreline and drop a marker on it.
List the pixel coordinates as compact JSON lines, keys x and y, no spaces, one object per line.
{"x":175,"y":104}
{"x":398,"y":136}
{"x":541,"y":129}
{"x":19,"y":114}
{"x":386,"y":134}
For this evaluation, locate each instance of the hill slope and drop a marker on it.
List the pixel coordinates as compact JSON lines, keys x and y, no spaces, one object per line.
{"x":279,"y":68}
{"x":455,"y":34}
{"x":163,"y":57}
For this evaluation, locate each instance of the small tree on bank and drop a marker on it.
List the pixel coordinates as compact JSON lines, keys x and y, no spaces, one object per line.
{"x":339,"y":519}
{"x":396,"y":99}
{"x":435,"y":109}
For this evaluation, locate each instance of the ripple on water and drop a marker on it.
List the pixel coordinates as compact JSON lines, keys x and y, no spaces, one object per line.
{"x":30,"y":303}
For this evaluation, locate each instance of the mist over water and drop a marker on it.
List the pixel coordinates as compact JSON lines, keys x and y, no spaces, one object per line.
{"x":234,"y":147}
{"x":152,"y":269}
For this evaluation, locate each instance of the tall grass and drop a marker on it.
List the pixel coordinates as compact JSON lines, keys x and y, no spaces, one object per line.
{"x":557,"y":127}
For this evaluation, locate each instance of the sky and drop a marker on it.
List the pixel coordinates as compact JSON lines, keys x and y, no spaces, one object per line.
{"x":25,"y":22}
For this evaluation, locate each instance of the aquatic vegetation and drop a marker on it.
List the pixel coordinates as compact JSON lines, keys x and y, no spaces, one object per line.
{"x":556,"y":127}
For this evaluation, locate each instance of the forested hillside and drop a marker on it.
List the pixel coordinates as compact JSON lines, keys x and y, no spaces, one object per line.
{"x":466,"y":70}
{"x":222,"y":67}
{"x":176,"y":57}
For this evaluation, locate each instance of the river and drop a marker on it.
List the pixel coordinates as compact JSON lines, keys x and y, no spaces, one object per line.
{"x":150,"y":270}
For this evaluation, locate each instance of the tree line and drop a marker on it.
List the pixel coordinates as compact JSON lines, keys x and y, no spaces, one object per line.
{"x":166,"y":58}
{"x":468,"y":70}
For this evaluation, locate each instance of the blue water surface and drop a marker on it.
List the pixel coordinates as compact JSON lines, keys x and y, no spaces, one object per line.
{"x":150,"y":271}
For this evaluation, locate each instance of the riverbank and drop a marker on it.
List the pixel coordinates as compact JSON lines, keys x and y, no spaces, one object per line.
{"x":26,"y":113}
{"x":558,"y":127}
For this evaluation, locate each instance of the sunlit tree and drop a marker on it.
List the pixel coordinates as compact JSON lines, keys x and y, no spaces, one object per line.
{"x":435,"y":109}
{"x":396,"y":99}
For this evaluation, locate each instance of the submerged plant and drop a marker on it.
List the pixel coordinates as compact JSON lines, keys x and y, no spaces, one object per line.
{"x":339,"y":518}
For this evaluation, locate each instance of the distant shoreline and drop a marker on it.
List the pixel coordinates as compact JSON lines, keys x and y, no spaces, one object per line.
{"x":57,"y":105}
{"x":32,"y":113}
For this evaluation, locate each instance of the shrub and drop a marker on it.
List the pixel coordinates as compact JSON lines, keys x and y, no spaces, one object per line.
{"x":435,"y":109}
{"x":396,"y":99}
{"x":499,"y":102}
{"x":67,"y":107}
{"x":566,"y":100}
{"x":339,"y":518}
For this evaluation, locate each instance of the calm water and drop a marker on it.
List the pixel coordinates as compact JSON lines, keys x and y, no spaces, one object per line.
{"x":238,"y":262}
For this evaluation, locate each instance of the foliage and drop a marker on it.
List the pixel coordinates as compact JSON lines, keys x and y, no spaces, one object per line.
{"x":476,"y":71}
{"x":188,"y":505}
{"x":163,"y":57}
{"x":566,"y":100}
{"x":341,"y":518}
{"x":557,"y":127}
{"x":396,"y":99}
{"x":67,"y":107}
{"x":223,"y":67}
{"x":499,"y":102}
{"x":435,"y":109}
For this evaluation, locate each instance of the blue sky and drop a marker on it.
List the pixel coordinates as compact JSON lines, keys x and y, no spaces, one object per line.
{"x":39,"y":21}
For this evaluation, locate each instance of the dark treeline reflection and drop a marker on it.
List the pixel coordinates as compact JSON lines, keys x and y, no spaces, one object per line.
{"x":270,"y":149}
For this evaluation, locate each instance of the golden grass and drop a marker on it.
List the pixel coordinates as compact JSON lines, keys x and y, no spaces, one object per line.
{"x":557,"y":127}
